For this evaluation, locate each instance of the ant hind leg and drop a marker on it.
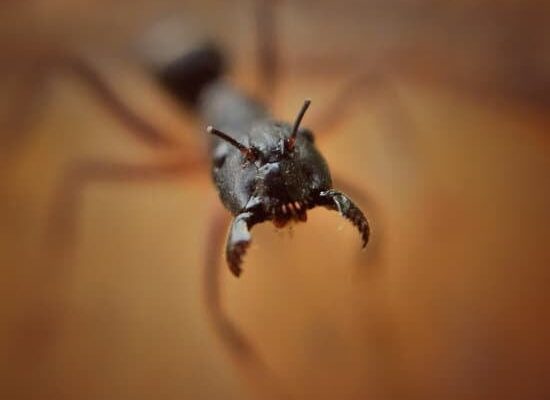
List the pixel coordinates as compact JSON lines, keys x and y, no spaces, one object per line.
{"x":139,"y":127}
{"x":16,"y":126}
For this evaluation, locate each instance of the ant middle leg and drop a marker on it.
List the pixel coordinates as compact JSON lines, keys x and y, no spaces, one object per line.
{"x":22,"y":107}
{"x":66,"y":203}
{"x":62,"y":223}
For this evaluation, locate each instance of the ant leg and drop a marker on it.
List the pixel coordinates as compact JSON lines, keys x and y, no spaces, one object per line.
{"x":241,"y":351}
{"x":268,"y":58}
{"x":140,"y":128}
{"x":377,"y":87}
{"x":234,"y":339}
{"x":61,"y":229}
{"x":17,"y":124}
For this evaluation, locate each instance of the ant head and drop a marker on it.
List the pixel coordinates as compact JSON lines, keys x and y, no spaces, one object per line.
{"x":290,"y":171}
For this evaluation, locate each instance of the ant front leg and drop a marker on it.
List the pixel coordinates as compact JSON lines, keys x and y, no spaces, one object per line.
{"x":375,"y":88}
{"x":242,"y":352}
{"x":229,"y":333}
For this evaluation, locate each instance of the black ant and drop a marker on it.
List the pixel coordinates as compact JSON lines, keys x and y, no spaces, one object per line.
{"x":263,"y":169}
{"x":266,"y":169}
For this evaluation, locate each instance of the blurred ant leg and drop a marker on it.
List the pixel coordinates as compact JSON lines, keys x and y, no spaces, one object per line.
{"x":268,"y":56}
{"x":241,"y":351}
{"x":140,"y":128}
{"x":61,"y":229}
{"x":374,"y":87}
{"x":17,"y":124}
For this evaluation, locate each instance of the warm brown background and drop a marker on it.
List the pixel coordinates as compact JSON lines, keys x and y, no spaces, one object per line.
{"x":448,"y":302}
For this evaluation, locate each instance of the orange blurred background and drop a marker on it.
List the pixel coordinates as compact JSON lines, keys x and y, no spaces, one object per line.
{"x":452,"y":151}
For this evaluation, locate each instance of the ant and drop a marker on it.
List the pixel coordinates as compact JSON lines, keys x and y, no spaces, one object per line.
{"x":268,"y":170}
{"x":242,"y":151}
{"x":264,"y":169}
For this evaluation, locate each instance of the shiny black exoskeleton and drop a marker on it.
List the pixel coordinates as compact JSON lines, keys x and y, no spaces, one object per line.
{"x":264,"y":169}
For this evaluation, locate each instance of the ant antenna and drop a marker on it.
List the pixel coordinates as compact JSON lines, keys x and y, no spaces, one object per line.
{"x":299,"y":117}
{"x":247,"y":151}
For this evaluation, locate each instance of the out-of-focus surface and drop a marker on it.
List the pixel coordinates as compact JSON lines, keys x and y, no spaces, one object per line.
{"x":449,"y":300}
